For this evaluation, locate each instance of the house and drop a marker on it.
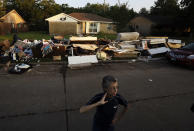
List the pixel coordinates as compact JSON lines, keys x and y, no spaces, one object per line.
{"x":80,"y":23}
{"x":12,"y":22}
{"x":147,"y":25}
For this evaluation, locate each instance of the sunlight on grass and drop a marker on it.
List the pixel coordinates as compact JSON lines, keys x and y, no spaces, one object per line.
{"x":39,"y":35}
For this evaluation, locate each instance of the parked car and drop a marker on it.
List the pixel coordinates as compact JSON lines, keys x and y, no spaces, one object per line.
{"x":184,"y":55}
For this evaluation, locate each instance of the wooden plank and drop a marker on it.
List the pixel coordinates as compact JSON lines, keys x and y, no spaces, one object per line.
{"x":88,"y":38}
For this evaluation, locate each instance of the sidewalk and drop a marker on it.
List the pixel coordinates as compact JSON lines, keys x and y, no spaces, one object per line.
{"x":49,"y":97}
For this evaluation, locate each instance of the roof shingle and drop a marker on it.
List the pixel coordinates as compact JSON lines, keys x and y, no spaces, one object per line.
{"x":89,"y":17}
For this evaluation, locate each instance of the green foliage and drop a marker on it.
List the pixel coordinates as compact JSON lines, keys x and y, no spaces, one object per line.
{"x":39,"y":35}
{"x":144,"y":12}
{"x":165,"y":7}
{"x":187,"y":14}
{"x":106,"y":36}
{"x":186,"y":3}
{"x":2,"y":9}
{"x":33,"y":35}
{"x":120,"y":14}
{"x":35,"y":12}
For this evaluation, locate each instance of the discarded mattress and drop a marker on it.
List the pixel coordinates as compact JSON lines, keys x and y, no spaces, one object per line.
{"x":174,"y":43}
{"x":76,"y":60}
{"x":88,"y":38}
{"x":160,"y":50}
{"x":126,"y":46}
{"x":127,"y":36}
{"x":86,"y":46}
{"x":155,"y":41}
{"x":126,"y":53}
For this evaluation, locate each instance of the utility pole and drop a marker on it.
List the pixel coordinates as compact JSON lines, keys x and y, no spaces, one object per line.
{"x":104,"y":6}
{"x":119,"y":3}
{"x":126,"y":4}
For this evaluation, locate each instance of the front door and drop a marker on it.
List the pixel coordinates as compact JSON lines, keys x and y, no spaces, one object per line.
{"x":79,"y":28}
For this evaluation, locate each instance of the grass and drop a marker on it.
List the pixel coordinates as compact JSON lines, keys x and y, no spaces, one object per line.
{"x":34,"y":35}
{"x":106,"y":36}
{"x":39,"y":35}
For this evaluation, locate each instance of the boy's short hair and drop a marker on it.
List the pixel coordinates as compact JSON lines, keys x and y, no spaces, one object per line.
{"x":107,"y":80}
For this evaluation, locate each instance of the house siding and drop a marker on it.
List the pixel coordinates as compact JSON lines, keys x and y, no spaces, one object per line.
{"x":104,"y":28}
{"x":141,"y":25}
{"x":5,"y":28}
{"x":84,"y":27}
{"x":63,"y":28}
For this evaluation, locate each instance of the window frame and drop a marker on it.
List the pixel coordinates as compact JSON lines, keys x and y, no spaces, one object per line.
{"x":109,"y":27}
{"x":93,"y":27}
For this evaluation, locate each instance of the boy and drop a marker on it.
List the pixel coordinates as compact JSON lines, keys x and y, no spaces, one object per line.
{"x":107,"y":104}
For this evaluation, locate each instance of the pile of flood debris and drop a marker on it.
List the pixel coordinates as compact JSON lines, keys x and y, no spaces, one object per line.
{"x":84,"y":50}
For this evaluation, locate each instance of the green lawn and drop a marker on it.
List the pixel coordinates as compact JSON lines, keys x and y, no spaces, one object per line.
{"x":39,"y":35}
{"x":107,"y":36}
{"x":27,"y":35}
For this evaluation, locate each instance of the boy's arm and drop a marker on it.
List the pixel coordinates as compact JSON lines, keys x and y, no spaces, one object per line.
{"x":117,"y":118}
{"x":89,"y":107}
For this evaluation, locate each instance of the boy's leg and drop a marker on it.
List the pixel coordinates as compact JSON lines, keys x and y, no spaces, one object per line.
{"x":110,"y":128}
{"x":96,"y":127}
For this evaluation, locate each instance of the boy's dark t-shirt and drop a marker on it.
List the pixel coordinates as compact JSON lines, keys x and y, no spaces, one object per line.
{"x":105,"y":113}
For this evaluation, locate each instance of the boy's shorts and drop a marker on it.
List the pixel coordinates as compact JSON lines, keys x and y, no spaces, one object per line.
{"x":98,"y":127}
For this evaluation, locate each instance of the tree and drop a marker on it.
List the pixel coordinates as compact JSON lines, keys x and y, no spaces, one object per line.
{"x":144,"y":11}
{"x":187,"y":13}
{"x":165,"y":7}
{"x":34,"y":12}
{"x":121,"y":15}
{"x":186,"y":3}
{"x":100,"y":9}
{"x":2,"y":8}
{"x":49,"y":8}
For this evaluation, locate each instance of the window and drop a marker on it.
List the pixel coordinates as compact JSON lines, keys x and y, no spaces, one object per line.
{"x":93,"y":28}
{"x":19,"y":25}
{"x":137,"y":27}
{"x":63,"y":19}
{"x":109,"y":27}
{"x":13,"y":26}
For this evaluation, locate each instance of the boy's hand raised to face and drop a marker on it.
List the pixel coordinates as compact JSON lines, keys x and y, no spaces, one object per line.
{"x":102,"y":101}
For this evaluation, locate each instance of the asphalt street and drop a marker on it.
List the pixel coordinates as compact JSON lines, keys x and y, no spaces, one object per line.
{"x":49,"y":97}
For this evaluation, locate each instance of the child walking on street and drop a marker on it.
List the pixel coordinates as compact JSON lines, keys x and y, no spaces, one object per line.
{"x":106,"y":105}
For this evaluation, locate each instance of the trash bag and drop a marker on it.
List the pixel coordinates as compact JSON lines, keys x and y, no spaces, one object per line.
{"x":20,"y":68}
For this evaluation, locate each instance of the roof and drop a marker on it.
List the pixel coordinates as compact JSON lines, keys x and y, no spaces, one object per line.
{"x":12,"y":17}
{"x":162,"y":20}
{"x":59,"y":16}
{"x":89,"y":17}
{"x":159,"y":20}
